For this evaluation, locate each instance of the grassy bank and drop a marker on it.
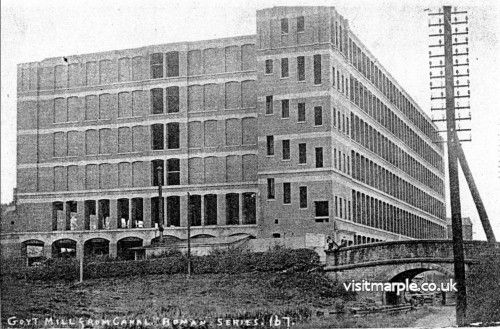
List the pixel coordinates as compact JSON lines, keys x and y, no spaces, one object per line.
{"x":205,"y":296}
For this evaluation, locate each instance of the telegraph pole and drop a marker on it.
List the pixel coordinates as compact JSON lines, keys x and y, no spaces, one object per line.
{"x":448,"y":41}
{"x":189,"y":234}
{"x":159,"y":171}
{"x":456,"y":216}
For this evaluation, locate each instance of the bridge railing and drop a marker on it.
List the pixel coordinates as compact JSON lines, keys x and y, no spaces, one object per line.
{"x":403,"y":250}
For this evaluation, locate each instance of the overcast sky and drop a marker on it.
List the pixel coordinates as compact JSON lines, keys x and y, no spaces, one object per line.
{"x":394,"y":31}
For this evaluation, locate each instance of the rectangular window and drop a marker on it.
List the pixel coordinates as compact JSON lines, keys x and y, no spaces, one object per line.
{"x":269,"y":105}
{"x":173,"y":172}
{"x":156,"y":61}
{"x":284,"y":67}
{"x":336,"y":206}
{"x":269,"y":66}
{"x":301,"y":68}
{"x":270,"y":189}
{"x":172,"y":64}
{"x":157,"y":172}
{"x":318,"y":116}
{"x":321,"y":209}
{"x":157,"y":137}
{"x":317,"y":69}
{"x":173,"y":99}
{"x":300,"y":24}
{"x":302,"y":153}
{"x":284,"y":25}
{"x":286,"y":149}
{"x":319,"y":157}
{"x":303,"y":197}
{"x":287,"y":193}
{"x":156,"y":101}
{"x":173,"y":135}
{"x":285,"y":108}
{"x":301,"y":112}
{"x":333,"y":79}
{"x":270,"y":145}
{"x":340,"y":206}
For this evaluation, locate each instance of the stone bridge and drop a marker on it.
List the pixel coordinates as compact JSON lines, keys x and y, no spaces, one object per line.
{"x":396,"y":261}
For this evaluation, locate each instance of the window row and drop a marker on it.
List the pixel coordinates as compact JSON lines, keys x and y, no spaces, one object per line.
{"x":287,"y":193}
{"x":229,"y":95}
{"x":301,"y":111}
{"x":340,"y":81}
{"x":371,"y":105}
{"x":93,"y":176}
{"x":220,"y":60}
{"x":96,"y":215}
{"x":102,"y":141}
{"x":241,"y":209}
{"x":302,"y":151}
{"x":210,"y":97}
{"x":205,"y":170}
{"x":301,"y":68}
{"x":213,"y":170}
{"x":209,"y":170}
{"x":95,"y":107}
{"x":132,"y":213}
{"x":341,"y":121}
{"x":361,"y":239}
{"x":341,"y":161}
{"x":321,"y":208}
{"x":164,"y":64}
{"x":342,"y":208}
{"x":339,"y":37}
{"x":369,"y":172}
{"x":230,"y":132}
{"x":373,"y":140}
{"x":154,"y":66}
{"x":299,"y":23}
{"x":210,"y":134}
{"x":371,"y":71}
{"x":376,"y":213}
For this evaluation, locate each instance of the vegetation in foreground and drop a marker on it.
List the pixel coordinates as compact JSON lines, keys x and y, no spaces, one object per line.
{"x":204,"y":296}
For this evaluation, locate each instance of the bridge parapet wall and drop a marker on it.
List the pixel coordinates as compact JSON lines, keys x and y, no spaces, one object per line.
{"x":400,"y":250}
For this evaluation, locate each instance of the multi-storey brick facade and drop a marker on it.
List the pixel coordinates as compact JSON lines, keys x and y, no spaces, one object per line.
{"x":297,"y":129}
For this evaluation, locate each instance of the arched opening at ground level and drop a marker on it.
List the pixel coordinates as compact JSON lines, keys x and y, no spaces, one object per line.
{"x":96,"y":247}
{"x":65,"y":248}
{"x":432,"y":275}
{"x":123,"y":247}
{"x":33,"y":251}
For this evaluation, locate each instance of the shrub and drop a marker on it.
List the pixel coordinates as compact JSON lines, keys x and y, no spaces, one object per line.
{"x":218,"y":261}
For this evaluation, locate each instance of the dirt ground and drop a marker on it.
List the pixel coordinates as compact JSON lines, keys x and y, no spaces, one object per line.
{"x":444,"y":318}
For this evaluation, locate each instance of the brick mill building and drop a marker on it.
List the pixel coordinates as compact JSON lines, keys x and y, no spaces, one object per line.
{"x":297,"y":129}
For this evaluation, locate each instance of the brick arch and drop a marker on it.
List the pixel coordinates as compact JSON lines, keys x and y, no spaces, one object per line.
{"x":166,"y":237}
{"x":36,"y":242}
{"x":100,"y":246}
{"x":131,"y":234}
{"x":64,"y":236}
{"x":70,"y":247}
{"x":124,"y":246}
